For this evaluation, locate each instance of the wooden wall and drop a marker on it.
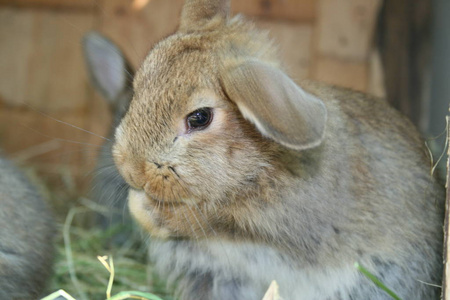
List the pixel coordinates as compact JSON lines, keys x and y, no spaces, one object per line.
{"x":43,"y":81}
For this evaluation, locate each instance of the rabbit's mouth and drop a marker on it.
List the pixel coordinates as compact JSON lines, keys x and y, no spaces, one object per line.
{"x":163,"y":219}
{"x":171,"y":198}
{"x":151,"y":198}
{"x":146,"y":213}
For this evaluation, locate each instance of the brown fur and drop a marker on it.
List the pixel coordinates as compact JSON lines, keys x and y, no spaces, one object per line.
{"x":361,"y":192}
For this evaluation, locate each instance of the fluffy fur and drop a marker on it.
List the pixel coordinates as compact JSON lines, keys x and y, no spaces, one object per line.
{"x":111,"y":76}
{"x":26,"y":236}
{"x":243,"y":202}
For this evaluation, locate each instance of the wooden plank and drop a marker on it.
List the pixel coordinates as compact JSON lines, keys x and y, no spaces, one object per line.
{"x":293,"y":10}
{"x":41,"y":53}
{"x":342,"y":73}
{"x":446,"y":255}
{"x":16,"y":34}
{"x":294,"y":41}
{"x":51,"y":145}
{"x":22,"y":129}
{"x":405,"y":47}
{"x":54,"y":4}
{"x":136,"y":31}
{"x":376,"y":75}
{"x":346,"y":27}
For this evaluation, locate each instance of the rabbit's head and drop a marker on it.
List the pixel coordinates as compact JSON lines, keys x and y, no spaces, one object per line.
{"x":211,"y":117}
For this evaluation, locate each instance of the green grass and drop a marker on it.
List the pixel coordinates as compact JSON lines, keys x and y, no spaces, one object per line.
{"x":79,"y":273}
{"x":377,"y":282}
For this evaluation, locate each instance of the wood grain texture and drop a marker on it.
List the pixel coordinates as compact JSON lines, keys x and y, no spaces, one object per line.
{"x":335,"y":71}
{"x":43,"y":73}
{"x":346,"y":27}
{"x":41,"y":58}
{"x":53,"y":4}
{"x":294,"y":41}
{"x":42,"y":68}
{"x":405,"y":47}
{"x":376,"y":85}
{"x":52,"y":148}
{"x":136,"y":31}
{"x":293,"y":10}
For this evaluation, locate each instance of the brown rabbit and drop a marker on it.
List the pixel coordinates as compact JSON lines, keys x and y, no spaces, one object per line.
{"x":26,"y":236}
{"x":242,"y":177}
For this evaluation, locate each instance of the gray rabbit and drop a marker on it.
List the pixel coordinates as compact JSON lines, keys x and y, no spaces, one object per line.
{"x":111,"y":75}
{"x":26,"y":236}
{"x":242,"y":176}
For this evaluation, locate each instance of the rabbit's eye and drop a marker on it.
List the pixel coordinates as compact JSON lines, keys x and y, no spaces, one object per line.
{"x":199,"y":119}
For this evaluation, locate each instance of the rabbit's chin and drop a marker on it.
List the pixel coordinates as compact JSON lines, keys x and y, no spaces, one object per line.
{"x":155,"y":215}
{"x":146,"y":213}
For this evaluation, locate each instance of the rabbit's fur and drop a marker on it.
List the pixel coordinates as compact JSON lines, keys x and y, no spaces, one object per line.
{"x":26,"y":236}
{"x":293,"y":183}
{"x":111,"y":75}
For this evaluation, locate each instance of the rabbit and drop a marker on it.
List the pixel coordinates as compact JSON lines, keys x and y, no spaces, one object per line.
{"x":27,"y":231}
{"x":242,"y":176}
{"x":111,"y":75}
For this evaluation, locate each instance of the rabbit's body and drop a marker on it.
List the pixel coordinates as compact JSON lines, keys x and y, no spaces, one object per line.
{"x":314,"y":257}
{"x":242,"y":177}
{"x":26,"y":236}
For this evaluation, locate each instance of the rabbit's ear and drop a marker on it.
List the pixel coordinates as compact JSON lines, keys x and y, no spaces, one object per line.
{"x":108,"y":69}
{"x":196,"y":13}
{"x":279,"y":108}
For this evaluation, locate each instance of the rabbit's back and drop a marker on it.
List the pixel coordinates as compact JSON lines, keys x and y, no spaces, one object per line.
{"x":391,"y":217}
{"x":26,"y":234}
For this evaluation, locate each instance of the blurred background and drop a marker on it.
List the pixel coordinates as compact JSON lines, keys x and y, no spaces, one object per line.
{"x":397,"y":49}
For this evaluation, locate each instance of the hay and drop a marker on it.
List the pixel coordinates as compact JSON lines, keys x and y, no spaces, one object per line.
{"x":79,"y":274}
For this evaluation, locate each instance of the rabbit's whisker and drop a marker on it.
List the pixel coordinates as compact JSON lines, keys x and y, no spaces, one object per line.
{"x":103,"y":171}
{"x":190,"y":225}
{"x":36,"y":150}
{"x":198,"y":222}
{"x":61,"y":140}
{"x":124,"y":210}
{"x":205,"y":207}
{"x":204,"y":218}
{"x":181,"y":184}
{"x":121,"y":192}
{"x":176,"y":219}
{"x":65,"y":123}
